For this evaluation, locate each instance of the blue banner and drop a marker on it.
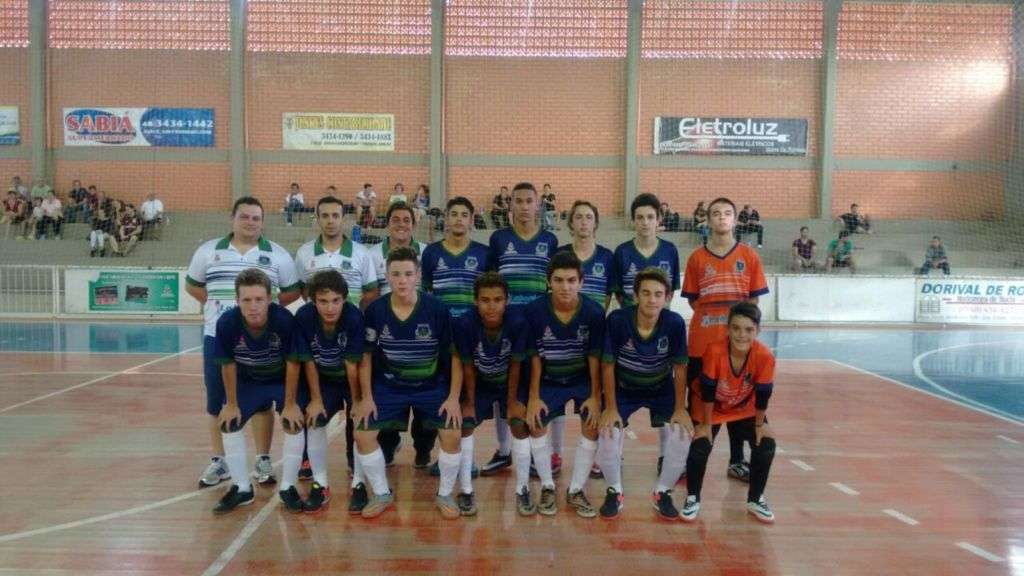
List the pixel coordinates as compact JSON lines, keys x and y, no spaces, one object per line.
{"x":164,"y":127}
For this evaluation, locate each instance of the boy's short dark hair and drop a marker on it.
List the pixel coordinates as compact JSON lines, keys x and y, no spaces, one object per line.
{"x":524,"y":186}
{"x":645,"y":199}
{"x":397,"y":206}
{"x":489,"y":280}
{"x":843,"y":234}
{"x":652,"y":273}
{"x":722,"y":200}
{"x":328,"y":200}
{"x":460,"y":201}
{"x":252,"y":277}
{"x":746,"y":310}
{"x":330,"y":280}
{"x":403,"y":254}
{"x":802,"y":228}
{"x":565,"y":260}
{"x":246,"y":201}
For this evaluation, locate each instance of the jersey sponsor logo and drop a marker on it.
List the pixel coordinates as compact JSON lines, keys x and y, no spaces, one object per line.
{"x":582,"y":333}
{"x":541,"y":250}
{"x":714,"y":320}
{"x":740,"y":265}
{"x":726,"y":397}
{"x":265,"y":260}
{"x":346,"y":265}
{"x":311,"y":264}
{"x":423,"y":332}
{"x":441,"y":264}
{"x":664,"y":265}
{"x":598,"y":269}
{"x":471,"y":263}
{"x":510,"y":249}
{"x":663,"y":345}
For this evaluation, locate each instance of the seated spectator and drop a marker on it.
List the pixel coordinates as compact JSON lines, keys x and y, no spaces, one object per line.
{"x":40,"y":189}
{"x":152,"y":212}
{"x":750,"y":223}
{"x":669,"y":219}
{"x":366,"y":201}
{"x":78,"y":204}
{"x":550,"y":213}
{"x":53,"y":216}
{"x":700,"y":222}
{"x":499,"y":209}
{"x":30,"y":228}
{"x":935,"y":257}
{"x":294,"y":203}
{"x":101,"y":224}
{"x":14,"y":211}
{"x":126,"y":232}
{"x":855,"y":222}
{"x":840,"y":253}
{"x":398,"y":194}
{"x":21,"y":189}
{"x":803,"y":253}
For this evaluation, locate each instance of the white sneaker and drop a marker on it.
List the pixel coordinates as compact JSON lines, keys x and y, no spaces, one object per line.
{"x":691,"y":508}
{"x":215,"y":473}
{"x":761,"y":511}
{"x":263,"y":472}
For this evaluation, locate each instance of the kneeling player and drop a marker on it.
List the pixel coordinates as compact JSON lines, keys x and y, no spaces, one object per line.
{"x":736,"y":383}
{"x":566,"y":335}
{"x":407,"y":365}
{"x":329,"y":342}
{"x":254,"y":348}
{"x":490,"y":345}
{"x":644,"y":366}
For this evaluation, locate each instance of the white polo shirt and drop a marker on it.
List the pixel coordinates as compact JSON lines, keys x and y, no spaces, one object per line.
{"x":352,"y":260}
{"x":378,"y":252}
{"x":150,"y":209}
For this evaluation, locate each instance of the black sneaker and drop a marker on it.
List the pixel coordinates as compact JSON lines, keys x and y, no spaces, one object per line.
{"x":422,"y":459}
{"x":305,"y":472}
{"x":739,"y":471}
{"x":233,"y":499}
{"x":467,"y":504}
{"x":660,"y":460}
{"x":291,"y":500}
{"x":524,"y":504}
{"x":319,"y":496}
{"x":497,"y":463}
{"x":358,"y":500}
{"x":595,"y":472}
{"x":612,"y":504}
{"x":663,"y":504}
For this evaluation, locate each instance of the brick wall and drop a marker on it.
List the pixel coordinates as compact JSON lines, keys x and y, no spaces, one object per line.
{"x":775,"y":193}
{"x":601,"y":186}
{"x":14,"y":90}
{"x":194,"y":187}
{"x":271,"y":181}
{"x":920,"y":195}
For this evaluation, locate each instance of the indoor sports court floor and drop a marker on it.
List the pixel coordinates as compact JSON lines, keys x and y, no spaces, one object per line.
{"x":902,"y":452}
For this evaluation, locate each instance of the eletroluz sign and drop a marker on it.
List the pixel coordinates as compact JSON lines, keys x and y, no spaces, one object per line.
{"x":717,"y":135}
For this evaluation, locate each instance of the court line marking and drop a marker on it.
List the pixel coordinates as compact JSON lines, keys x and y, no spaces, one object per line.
{"x":802,"y":465}
{"x":138,"y":373}
{"x":52,"y":372}
{"x":921,"y":375}
{"x":97,"y":380}
{"x":631,"y":434}
{"x":1008,"y":439}
{"x":844,"y":488}
{"x":978,"y":551}
{"x":985,"y":411}
{"x":900,"y":516}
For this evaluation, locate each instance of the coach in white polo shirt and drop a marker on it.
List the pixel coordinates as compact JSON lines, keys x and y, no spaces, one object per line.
{"x":332,"y":250}
{"x":152,"y":212}
{"x":401,"y":222}
{"x":211,"y":281}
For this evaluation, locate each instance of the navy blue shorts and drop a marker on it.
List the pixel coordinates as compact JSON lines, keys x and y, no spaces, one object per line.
{"x":212,"y":378}
{"x":556,"y":397}
{"x":335,"y":397}
{"x":485,"y":400}
{"x":258,"y":397}
{"x":660,"y":402}
{"x":394,"y":403}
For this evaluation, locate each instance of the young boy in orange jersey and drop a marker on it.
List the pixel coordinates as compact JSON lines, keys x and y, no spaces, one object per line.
{"x":718,"y":275}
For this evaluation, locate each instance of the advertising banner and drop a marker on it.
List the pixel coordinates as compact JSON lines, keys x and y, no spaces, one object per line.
{"x":739,"y":136}
{"x":967,"y":301}
{"x":343,"y":132}
{"x":10,"y":133}
{"x":165,"y":127}
{"x":124,"y":291}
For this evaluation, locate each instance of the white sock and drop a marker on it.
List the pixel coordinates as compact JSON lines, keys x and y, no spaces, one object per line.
{"x":466,"y":466}
{"x":293,"y":446}
{"x":521,"y":461}
{"x":504,"y":434}
{"x":677,"y":448}
{"x":316,"y":447}
{"x":373,"y":468}
{"x":236,"y":454}
{"x":585,"y":451}
{"x":541,"y":450}
{"x":358,"y":477}
{"x":609,"y":458}
{"x":449,"y":465}
{"x":662,"y":437}
{"x":558,"y":435}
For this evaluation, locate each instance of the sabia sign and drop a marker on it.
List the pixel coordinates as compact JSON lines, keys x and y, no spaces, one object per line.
{"x":100,"y":126}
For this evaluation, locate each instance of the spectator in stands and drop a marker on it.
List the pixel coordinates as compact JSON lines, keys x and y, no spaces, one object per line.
{"x":750,"y":223}
{"x":101,"y":223}
{"x":21,"y":189}
{"x":700,"y":222}
{"x":53,"y":217}
{"x":669,"y":219}
{"x":294,"y":203}
{"x":840,"y":253}
{"x":547,"y":199}
{"x":40,"y":189}
{"x":935,"y":257}
{"x":398,"y":194}
{"x":421,"y":204}
{"x":98,"y":200}
{"x":126,"y":233}
{"x":14,"y":211}
{"x":78,"y":204}
{"x":366,"y":200}
{"x":499,"y":208}
{"x":31,"y":227}
{"x":803,"y":253}
{"x":152,"y":212}
{"x":855,"y":222}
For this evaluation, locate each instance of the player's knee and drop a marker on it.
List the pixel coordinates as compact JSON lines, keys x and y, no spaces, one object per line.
{"x":765,"y":451}
{"x":700,"y":449}
{"x":519,"y":431}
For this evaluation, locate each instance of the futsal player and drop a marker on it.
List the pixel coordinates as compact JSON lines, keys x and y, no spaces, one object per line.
{"x":253,"y":346}
{"x":644,"y":366}
{"x":736,"y":382}
{"x":521,"y":254}
{"x":329,"y":339}
{"x":407,"y":366}
{"x":718,"y":275}
{"x":564,"y":347}
{"x":452,"y":265}
{"x":491,"y":345}
{"x":211,"y":280}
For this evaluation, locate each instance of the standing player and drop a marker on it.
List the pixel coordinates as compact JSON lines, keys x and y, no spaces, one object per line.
{"x":211,"y":281}
{"x":253,"y":346}
{"x":451,"y":266}
{"x":332,"y":250}
{"x":566,"y":336}
{"x":520,"y":254}
{"x":718,"y":275}
{"x":407,"y":366}
{"x":632,"y":256}
{"x":736,"y":381}
{"x":490,"y":346}
{"x":596,"y":259}
{"x":329,"y":339}
{"x":644,"y":366}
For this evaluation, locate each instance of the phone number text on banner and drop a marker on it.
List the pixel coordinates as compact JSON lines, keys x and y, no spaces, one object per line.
{"x":718,"y":135}
{"x":970,"y":301}
{"x":10,"y":133}
{"x":165,"y":127}
{"x":343,"y":132}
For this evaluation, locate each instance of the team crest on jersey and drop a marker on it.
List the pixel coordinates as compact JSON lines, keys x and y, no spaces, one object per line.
{"x":265,"y":260}
{"x":541,"y":250}
{"x":216,"y":257}
{"x":583,"y":333}
{"x":664,"y":265}
{"x":740,"y":265}
{"x":423,"y":331}
{"x":274,"y":340}
{"x":506,"y":346}
{"x":548,"y":334}
{"x":342,"y":340}
{"x":598,"y":269}
{"x":471,"y":263}
{"x":510,"y":249}
{"x":663,"y":345}
{"x":346,"y":265}
{"x":386,"y":332}
{"x":709,"y":271}
{"x":632,"y":269}
{"x":441,"y":264}
{"x":628,"y":346}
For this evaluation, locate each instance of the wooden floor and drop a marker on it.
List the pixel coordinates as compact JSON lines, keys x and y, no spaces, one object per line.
{"x":102,"y":453}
